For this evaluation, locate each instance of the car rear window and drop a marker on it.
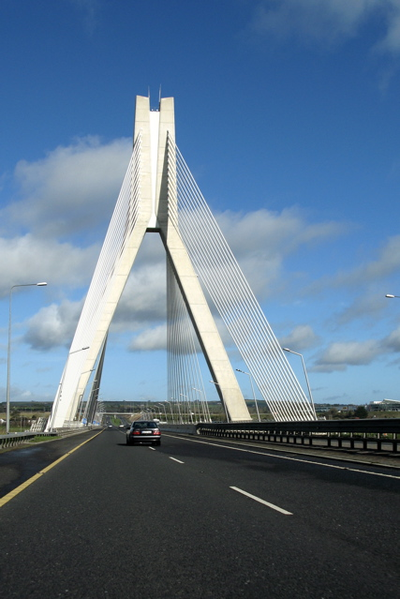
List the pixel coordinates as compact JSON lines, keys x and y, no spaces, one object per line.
{"x":145,"y":425}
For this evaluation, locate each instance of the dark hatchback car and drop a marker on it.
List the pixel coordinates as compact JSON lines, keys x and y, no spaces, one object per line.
{"x":143,"y":431}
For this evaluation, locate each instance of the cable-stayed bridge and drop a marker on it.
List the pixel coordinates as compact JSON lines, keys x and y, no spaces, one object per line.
{"x":160,"y":195}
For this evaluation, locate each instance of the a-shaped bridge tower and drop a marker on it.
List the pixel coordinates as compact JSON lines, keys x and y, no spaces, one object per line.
{"x":159,"y":194}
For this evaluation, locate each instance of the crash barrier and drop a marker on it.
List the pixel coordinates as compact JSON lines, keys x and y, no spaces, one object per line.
{"x":188,"y":429}
{"x":375,"y":434}
{"x":14,"y":439}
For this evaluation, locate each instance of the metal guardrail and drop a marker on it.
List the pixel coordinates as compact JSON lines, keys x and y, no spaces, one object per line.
{"x":375,"y":434}
{"x":14,"y":439}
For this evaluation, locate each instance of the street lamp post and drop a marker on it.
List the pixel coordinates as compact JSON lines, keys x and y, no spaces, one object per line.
{"x":252,"y":388}
{"x":9,"y":348}
{"x":189,"y":409}
{"x":162,"y":406}
{"x":290,"y":351}
{"x":204,"y":406}
{"x":172,"y":413}
{"x":179,"y":409}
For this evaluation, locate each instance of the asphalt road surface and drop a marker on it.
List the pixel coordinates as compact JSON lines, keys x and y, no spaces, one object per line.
{"x":197,"y":518}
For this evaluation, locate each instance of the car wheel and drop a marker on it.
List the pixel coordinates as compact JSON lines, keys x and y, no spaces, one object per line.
{"x":157,"y":443}
{"x":128,"y":442}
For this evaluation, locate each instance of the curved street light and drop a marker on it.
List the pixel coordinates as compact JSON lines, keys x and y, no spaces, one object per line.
{"x":163,"y":407}
{"x":252,"y":388}
{"x":290,"y":351}
{"x":172,"y":413}
{"x":204,"y":405}
{"x":43,"y":284}
{"x":189,"y":408}
{"x":390,"y":295}
{"x":178,"y":405}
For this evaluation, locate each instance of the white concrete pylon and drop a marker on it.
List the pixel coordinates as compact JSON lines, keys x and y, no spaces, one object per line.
{"x":147,"y":200}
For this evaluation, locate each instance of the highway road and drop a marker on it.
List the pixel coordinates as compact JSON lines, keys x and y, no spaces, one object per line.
{"x":197,"y":518}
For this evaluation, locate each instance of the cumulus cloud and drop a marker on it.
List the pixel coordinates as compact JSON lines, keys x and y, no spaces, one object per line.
{"x":141,"y":309}
{"x":71,"y":190}
{"x":387,"y":262}
{"x":340,"y":355}
{"x":32,"y":259}
{"x":367,"y":273}
{"x":261,"y":240}
{"x":392,"y":342}
{"x":328,"y":22}
{"x":301,"y":337}
{"x":368,"y":305}
{"x":150,"y":340}
{"x":53,"y":325}
{"x":144,"y":299}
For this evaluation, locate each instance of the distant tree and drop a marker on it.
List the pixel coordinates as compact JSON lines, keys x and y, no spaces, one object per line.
{"x":14,"y":415}
{"x":360,"y":412}
{"x":332,"y":413}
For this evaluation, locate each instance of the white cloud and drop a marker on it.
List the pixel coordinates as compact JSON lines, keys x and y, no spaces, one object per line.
{"x":367,"y":305}
{"x":71,"y":190}
{"x":30,"y":259}
{"x":260,"y":241}
{"x":387,"y":263}
{"x":150,"y":340}
{"x":340,"y":355}
{"x":370,"y":272}
{"x":328,"y":22}
{"x":144,"y":299}
{"x":392,"y":342}
{"x":301,"y":337}
{"x":391,"y":41}
{"x":53,"y":325}
{"x":142,"y":306}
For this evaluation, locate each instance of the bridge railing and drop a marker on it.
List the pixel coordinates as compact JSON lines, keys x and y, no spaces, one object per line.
{"x":15,"y":439}
{"x":375,"y":434}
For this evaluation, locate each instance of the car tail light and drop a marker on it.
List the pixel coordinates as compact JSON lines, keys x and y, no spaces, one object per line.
{"x":157,"y":432}
{"x":136,"y":433}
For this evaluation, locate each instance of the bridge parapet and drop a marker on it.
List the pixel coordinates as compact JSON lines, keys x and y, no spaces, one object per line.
{"x":377,"y":434}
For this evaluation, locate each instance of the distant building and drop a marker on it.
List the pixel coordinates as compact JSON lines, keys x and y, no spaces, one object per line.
{"x":325,"y":407}
{"x":384,"y":405}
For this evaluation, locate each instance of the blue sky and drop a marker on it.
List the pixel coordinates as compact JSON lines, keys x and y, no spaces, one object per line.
{"x":287,"y":113}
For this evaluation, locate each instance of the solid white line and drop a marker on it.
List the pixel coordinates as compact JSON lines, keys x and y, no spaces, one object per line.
{"x":175,"y":460}
{"x":152,"y":448}
{"x":271,"y":505}
{"x":290,"y":459}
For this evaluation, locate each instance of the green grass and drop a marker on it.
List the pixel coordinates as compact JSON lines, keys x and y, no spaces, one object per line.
{"x":41,"y":438}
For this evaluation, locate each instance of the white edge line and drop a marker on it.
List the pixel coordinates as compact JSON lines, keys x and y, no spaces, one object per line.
{"x":271,"y":505}
{"x":152,"y":448}
{"x":175,"y":460}
{"x":290,"y":459}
